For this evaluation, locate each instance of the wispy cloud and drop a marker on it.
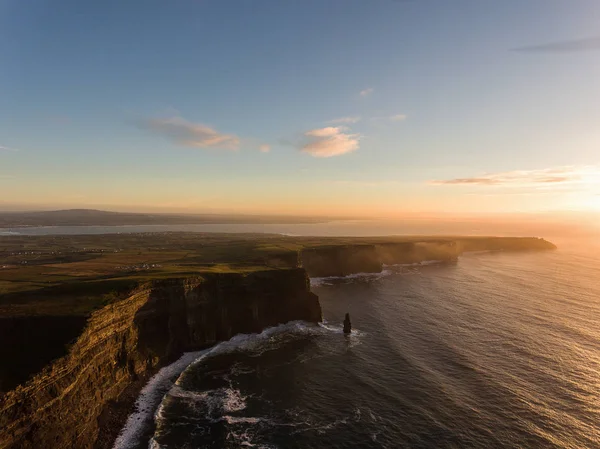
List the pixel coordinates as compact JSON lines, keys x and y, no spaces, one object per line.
{"x":384,"y":120}
{"x":530,"y":178}
{"x":188,"y":134}
{"x":569,"y":46}
{"x":3,"y":148}
{"x":264,"y":148}
{"x":366,"y":92}
{"x":342,"y":120}
{"x":330,"y":141}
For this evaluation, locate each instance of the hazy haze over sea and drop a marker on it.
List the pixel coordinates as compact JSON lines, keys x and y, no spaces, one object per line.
{"x":571,"y":233}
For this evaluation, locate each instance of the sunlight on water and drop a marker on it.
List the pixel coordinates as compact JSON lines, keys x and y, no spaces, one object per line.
{"x":498,"y":350}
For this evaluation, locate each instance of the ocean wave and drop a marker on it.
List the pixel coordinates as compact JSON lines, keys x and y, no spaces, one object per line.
{"x":414,"y":264}
{"x":317,"y":281}
{"x":150,"y":397}
{"x":168,"y":380}
{"x":388,"y":270}
{"x":2,"y":232}
{"x":214,"y":402}
{"x":339,"y":329}
{"x":256,"y":344}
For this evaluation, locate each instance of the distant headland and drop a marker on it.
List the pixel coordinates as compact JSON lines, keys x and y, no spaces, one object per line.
{"x":93,"y":217}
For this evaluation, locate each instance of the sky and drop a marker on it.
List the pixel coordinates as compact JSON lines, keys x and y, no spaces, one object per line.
{"x":340,"y":107}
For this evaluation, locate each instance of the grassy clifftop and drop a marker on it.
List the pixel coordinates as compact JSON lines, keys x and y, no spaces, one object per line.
{"x":74,"y":275}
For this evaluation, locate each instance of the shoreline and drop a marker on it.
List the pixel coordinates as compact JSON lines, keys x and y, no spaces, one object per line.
{"x":114,"y":414}
{"x":133,"y":400}
{"x":116,"y":405}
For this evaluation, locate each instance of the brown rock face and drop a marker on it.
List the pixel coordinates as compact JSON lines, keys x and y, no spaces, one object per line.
{"x":59,"y":407}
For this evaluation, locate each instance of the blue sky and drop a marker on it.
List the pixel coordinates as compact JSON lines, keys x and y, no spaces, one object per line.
{"x":368,"y":107}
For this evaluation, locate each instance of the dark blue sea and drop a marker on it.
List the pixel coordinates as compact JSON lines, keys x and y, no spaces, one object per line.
{"x":497,"y":350}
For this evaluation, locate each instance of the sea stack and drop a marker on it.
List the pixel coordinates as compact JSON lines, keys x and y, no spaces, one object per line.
{"x":347,"y":324}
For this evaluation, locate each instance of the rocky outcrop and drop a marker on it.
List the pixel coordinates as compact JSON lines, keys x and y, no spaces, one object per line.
{"x":340,"y":260}
{"x":347,"y":324}
{"x":59,"y":407}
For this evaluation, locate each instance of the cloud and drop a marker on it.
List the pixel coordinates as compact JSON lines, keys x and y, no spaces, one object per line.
{"x":530,"y":178}
{"x":264,"y":148}
{"x":366,"y":92}
{"x":188,"y":134}
{"x":384,"y":120}
{"x":345,"y":120}
{"x":330,"y":141}
{"x":572,"y":46}
{"x":3,"y":148}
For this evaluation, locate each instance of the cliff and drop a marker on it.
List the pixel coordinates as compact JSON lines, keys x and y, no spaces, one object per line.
{"x":345,"y":259}
{"x":340,"y":260}
{"x":504,"y":244}
{"x":126,"y":340}
{"x":414,"y":252}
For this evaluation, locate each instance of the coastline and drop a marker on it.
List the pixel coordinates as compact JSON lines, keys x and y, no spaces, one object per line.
{"x":114,"y":418}
{"x":141,"y":320}
{"x":115,"y":413}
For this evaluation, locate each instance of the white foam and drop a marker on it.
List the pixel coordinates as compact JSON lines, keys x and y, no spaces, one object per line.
{"x":168,"y":379}
{"x":241,"y":419}
{"x":414,"y":264}
{"x":432,"y":262}
{"x":212,"y":400}
{"x":339,"y":329}
{"x":317,"y":281}
{"x":9,"y":233}
{"x":233,"y":401}
{"x":150,"y":396}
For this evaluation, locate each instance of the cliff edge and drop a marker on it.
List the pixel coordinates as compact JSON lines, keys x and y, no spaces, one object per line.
{"x":343,"y":259}
{"x":126,"y":340}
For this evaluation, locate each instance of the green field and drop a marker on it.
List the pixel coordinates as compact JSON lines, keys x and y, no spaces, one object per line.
{"x":74,"y":275}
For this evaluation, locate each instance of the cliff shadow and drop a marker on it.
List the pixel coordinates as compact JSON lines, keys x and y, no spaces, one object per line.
{"x":30,"y":343}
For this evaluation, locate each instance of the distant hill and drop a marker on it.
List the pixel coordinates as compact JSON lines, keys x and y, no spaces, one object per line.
{"x":92,"y":217}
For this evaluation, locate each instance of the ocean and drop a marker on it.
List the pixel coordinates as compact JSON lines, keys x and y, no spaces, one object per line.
{"x":497,"y":350}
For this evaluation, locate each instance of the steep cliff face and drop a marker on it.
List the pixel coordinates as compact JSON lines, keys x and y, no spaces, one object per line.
{"x":340,"y":260}
{"x":59,"y":408}
{"x":413,"y":252}
{"x":343,"y":260}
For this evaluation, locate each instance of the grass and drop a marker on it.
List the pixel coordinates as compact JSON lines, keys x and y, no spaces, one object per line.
{"x":78,"y":274}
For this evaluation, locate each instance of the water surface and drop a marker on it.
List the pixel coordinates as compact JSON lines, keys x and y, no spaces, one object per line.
{"x":498,"y":350}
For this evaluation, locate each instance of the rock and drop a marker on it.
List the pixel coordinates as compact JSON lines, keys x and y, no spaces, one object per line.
{"x":126,"y":340}
{"x":340,"y":260}
{"x":347,"y":324}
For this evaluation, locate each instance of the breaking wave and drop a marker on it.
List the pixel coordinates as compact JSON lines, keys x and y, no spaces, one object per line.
{"x":150,"y":398}
{"x":167,"y":382}
{"x":317,"y":281}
